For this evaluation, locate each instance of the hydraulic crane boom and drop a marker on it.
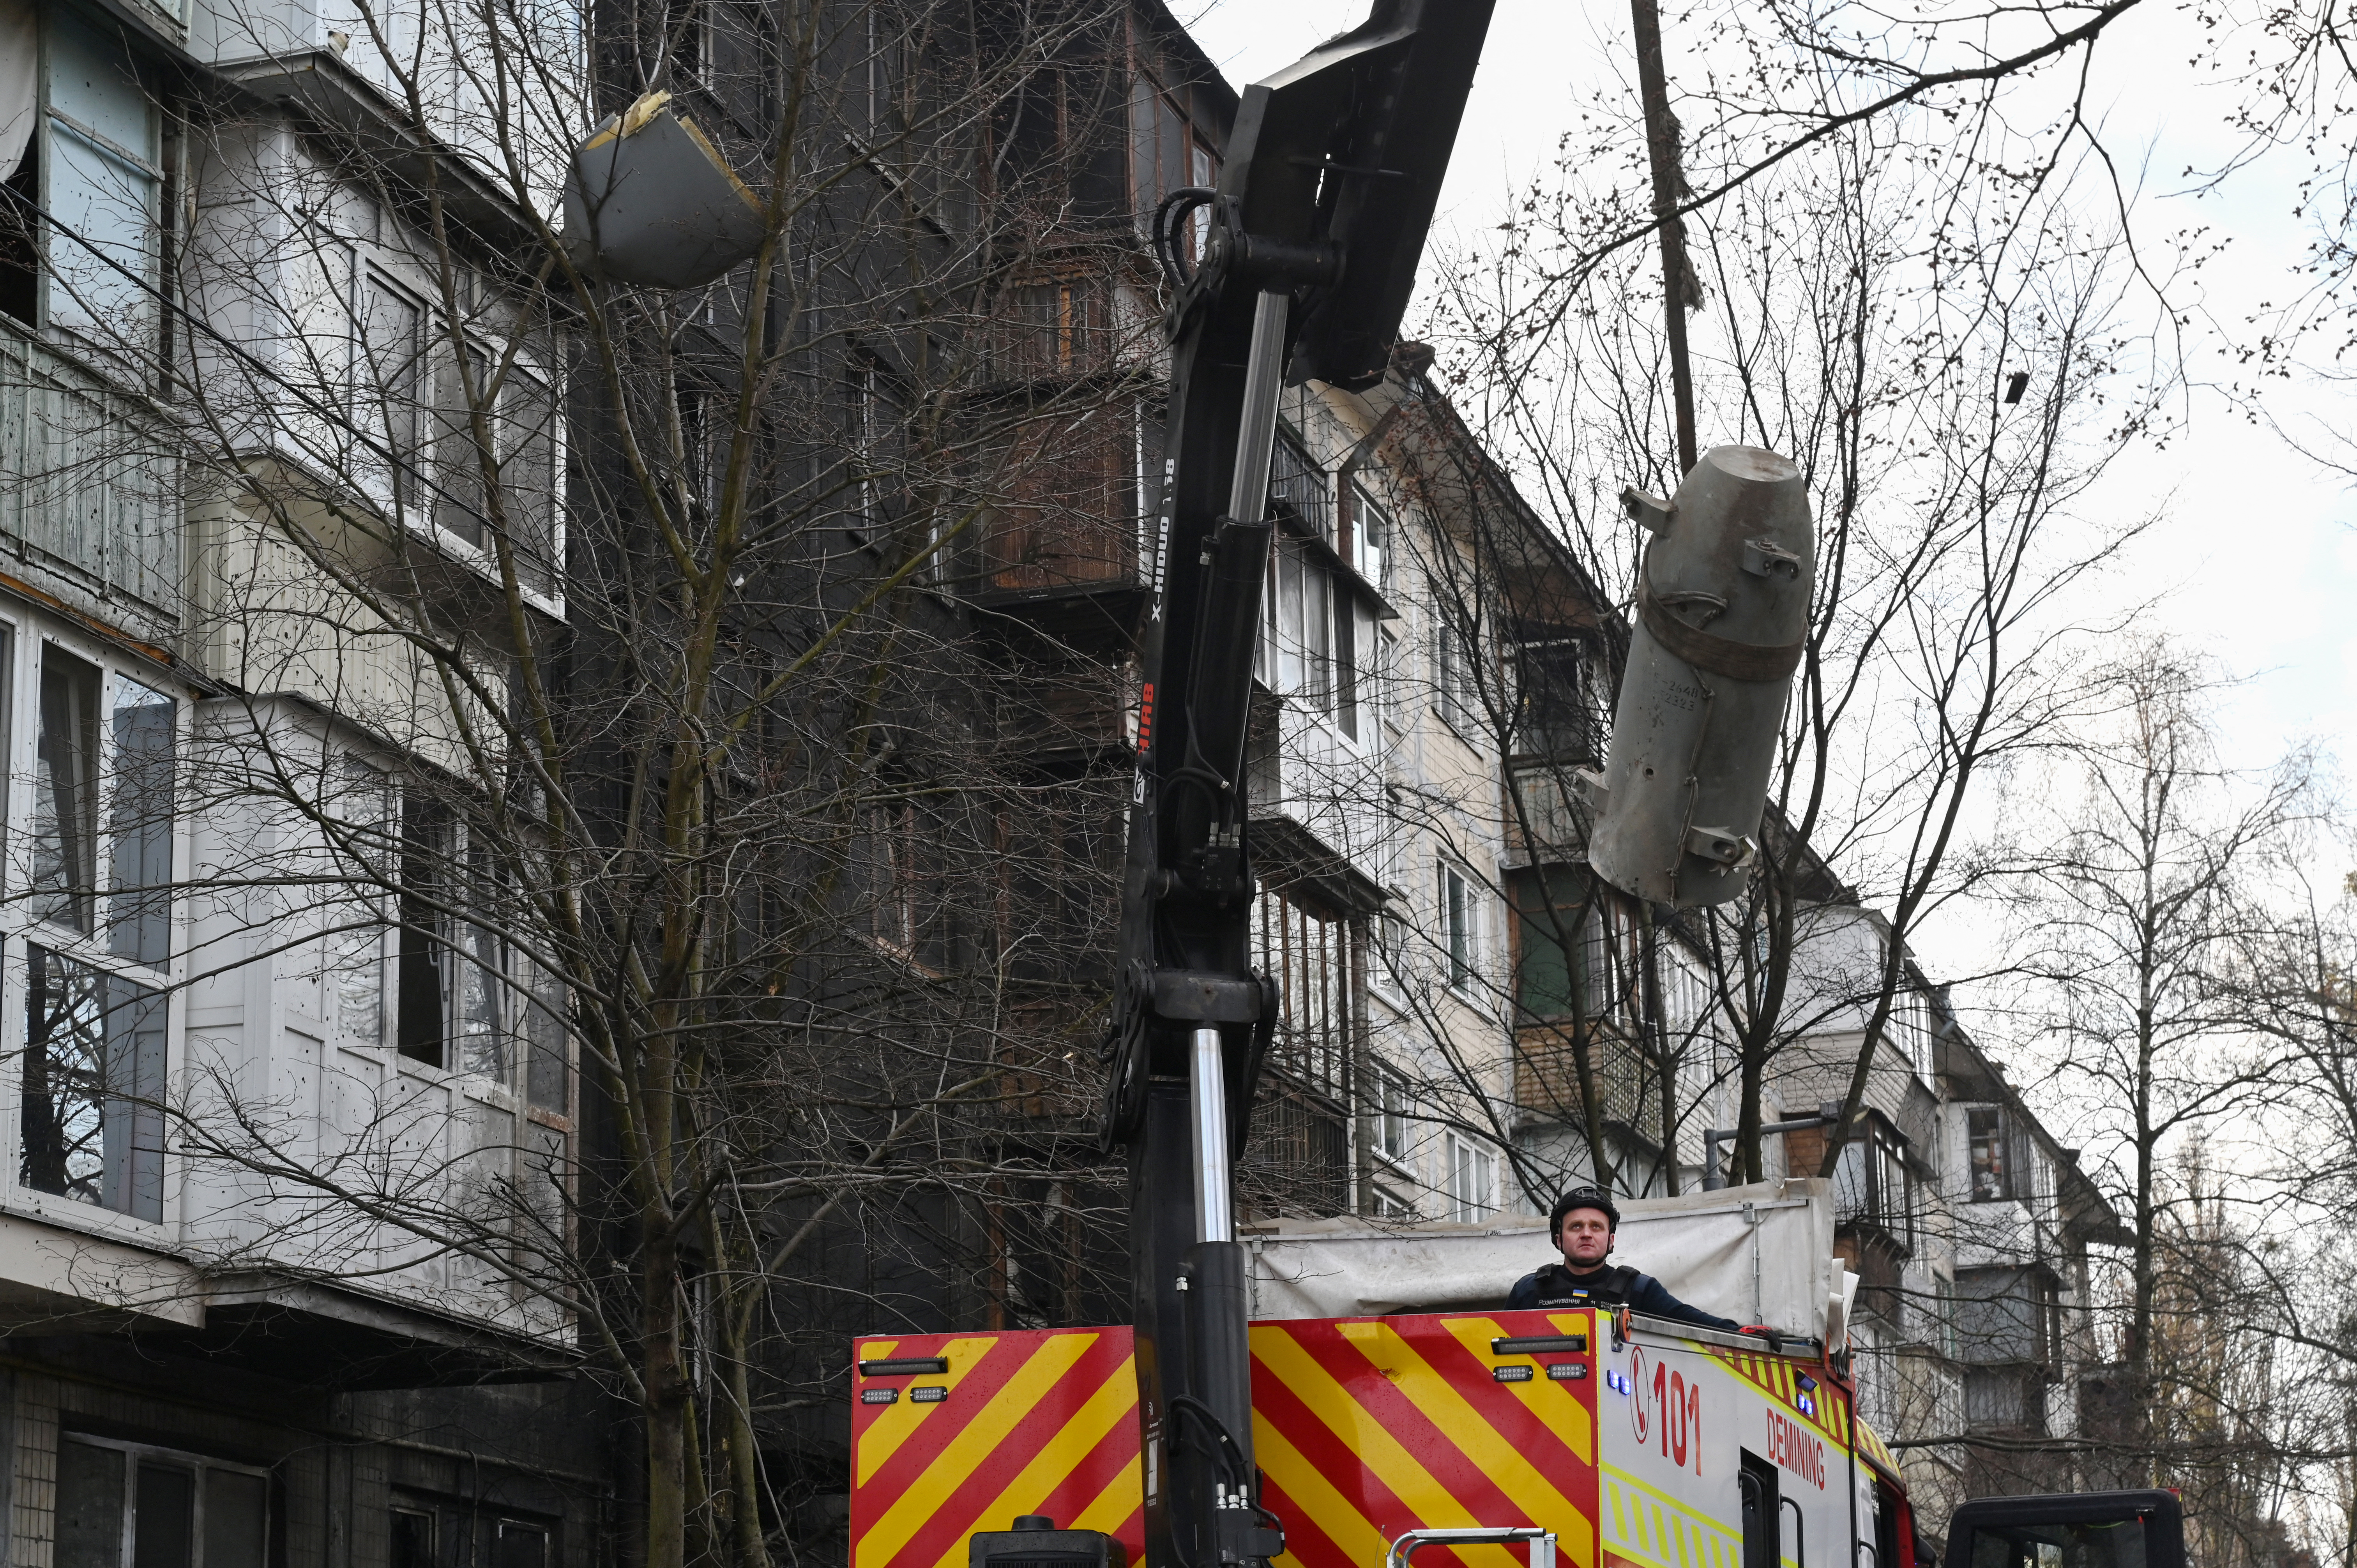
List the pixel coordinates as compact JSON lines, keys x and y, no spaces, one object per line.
{"x":1316,"y":228}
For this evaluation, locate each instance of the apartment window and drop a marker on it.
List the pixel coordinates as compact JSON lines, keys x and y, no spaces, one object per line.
{"x":1391,"y":1204}
{"x":424,"y":1536}
{"x":1910,"y":1025}
{"x":65,"y":793}
{"x":1990,"y":1154}
{"x":527,"y":431}
{"x":1457,"y":915}
{"x":451,"y":988}
{"x":1371,"y":539}
{"x":1303,"y":611}
{"x":361,"y":812}
{"x":124,"y":1505}
{"x":94,"y":1075}
{"x":1390,"y":941}
{"x":412,"y":1539}
{"x":1452,"y":669}
{"x":1390,"y":1116}
{"x":20,"y":237}
{"x":1872,"y":1184}
{"x":1549,"y":960}
{"x":1053,"y":327}
{"x":394,"y":368}
{"x":1354,"y":626}
{"x":139,"y":823}
{"x":99,"y":146}
{"x":1472,"y":1180}
{"x":1551,"y":699}
{"x":2008,"y":1316}
{"x":1165,"y":152}
{"x":519,"y":1545}
{"x":1387,"y":675}
{"x":458,"y":454}
{"x":1317,"y":635}
{"x":886,"y":69}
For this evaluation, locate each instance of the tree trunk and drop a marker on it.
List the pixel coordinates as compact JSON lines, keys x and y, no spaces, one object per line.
{"x":1678,"y":293}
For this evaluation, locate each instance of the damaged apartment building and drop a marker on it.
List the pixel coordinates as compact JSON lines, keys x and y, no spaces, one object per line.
{"x":237,"y":1065}
{"x":300,"y":1132}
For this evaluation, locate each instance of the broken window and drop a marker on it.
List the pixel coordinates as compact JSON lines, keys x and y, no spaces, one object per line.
{"x":451,"y":968}
{"x":92,"y":1125}
{"x":1165,"y":153}
{"x":1872,"y":1184}
{"x":1314,"y":962}
{"x":65,"y":787}
{"x":122,"y":1505}
{"x":1991,"y":1157}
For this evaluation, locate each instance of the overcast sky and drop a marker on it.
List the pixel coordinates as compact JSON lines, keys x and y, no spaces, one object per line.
{"x":2258,"y":547}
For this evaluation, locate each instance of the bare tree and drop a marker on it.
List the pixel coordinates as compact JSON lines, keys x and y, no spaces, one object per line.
{"x":697,"y":906}
{"x":2142,"y":881}
{"x":1948,"y":436}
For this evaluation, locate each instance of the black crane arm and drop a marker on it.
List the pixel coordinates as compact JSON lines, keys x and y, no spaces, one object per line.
{"x":1316,"y":228}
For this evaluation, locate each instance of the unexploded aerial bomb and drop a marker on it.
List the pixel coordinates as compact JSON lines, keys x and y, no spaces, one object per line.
{"x":1722,"y":618}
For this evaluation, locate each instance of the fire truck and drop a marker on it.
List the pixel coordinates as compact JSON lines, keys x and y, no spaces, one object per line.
{"x":1585,"y":1439}
{"x":1193,"y":1436}
{"x":1595,"y":1437}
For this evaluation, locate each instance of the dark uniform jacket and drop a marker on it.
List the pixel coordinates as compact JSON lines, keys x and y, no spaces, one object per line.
{"x":1555,"y":1285}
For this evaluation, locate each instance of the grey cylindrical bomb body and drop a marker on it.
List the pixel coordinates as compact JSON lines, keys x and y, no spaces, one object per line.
{"x":1723,"y":612}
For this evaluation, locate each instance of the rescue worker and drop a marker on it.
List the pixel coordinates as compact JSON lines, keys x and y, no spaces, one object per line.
{"x":1583,"y":1223}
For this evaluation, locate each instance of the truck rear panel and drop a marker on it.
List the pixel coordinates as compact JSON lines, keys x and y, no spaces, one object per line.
{"x":1631,"y":1453}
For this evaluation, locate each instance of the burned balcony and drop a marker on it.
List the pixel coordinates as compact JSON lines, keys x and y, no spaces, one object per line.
{"x":1061,"y":518}
{"x":1053,"y":329}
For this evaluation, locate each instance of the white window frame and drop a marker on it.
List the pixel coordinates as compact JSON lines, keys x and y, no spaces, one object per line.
{"x":1472,"y":1179}
{"x":1460,"y":915}
{"x":1391,"y":1085}
{"x":20,"y":930}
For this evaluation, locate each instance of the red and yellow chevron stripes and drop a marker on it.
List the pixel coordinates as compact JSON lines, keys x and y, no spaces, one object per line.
{"x":1774,"y":1376}
{"x":1033,"y":1421}
{"x":1370,"y":1427}
{"x":1872,"y":1449}
{"x":1365,"y":1427}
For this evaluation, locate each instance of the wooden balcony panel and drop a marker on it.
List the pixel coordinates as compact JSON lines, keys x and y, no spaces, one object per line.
{"x":1061,"y":516}
{"x":90,"y":484}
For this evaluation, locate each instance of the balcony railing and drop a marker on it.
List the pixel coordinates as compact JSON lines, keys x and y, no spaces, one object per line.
{"x":1299,"y":485}
{"x":1298,"y":1159}
{"x":1546,"y":1075}
{"x":90,"y":478}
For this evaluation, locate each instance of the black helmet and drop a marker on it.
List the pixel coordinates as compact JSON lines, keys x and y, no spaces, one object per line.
{"x":1582,"y":1197}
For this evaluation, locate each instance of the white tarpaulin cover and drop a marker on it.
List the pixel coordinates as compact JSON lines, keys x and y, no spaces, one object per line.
{"x":1759,"y":1253}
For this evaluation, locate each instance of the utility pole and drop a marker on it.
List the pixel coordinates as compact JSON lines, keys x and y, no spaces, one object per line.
{"x":1662,"y":138}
